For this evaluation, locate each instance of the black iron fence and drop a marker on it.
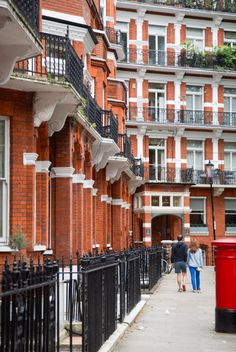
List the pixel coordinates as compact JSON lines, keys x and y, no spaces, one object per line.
{"x":210,"y":5}
{"x":29,"y":9}
{"x":85,"y":297}
{"x":185,"y":58}
{"x":191,"y":117}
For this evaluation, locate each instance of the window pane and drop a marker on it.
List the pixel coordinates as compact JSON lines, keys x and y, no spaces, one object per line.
{"x":194,"y":32}
{"x":1,"y":209}
{"x":230,"y":204}
{"x":176,"y":201}
{"x":157,"y":142}
{"x":152,"y":159}
{"x":198,"y":160}
{"x":2,"y":148}
{"x":194,"y":144}
{"x":230,"y":91}
{"x":230,"y":35}
{"x":155,"y":201}
{"x":158,"y":86}
{"x":230,"y":145}
{"x":233,"y":104}
{"x":190,"y":159}
{"x":227,"y":104}
{"x":198,"y":102}
{"x":197,"y":204}
{"x":189,"y":102}
{"x":152,"y":42}
{"x":230,"y":220}
{"x":196,"y":220}
{"x":233,"y":161}
{"x":165,"y":201}
{"x":227,"y":161}
{"x":196,"y":89}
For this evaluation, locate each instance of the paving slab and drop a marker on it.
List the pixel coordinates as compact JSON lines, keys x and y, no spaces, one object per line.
{"x":178,"y":322}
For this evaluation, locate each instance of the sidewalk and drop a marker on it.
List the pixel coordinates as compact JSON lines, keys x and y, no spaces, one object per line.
{"x":178,"y":322}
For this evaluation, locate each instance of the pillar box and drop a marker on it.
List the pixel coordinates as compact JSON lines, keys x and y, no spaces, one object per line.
{"x":225,"y":261}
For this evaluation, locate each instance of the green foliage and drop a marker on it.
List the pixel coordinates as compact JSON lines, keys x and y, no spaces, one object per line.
{"x":18,"y":239}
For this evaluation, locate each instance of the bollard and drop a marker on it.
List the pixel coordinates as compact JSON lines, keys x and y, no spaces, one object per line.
{"x":225,"y":262}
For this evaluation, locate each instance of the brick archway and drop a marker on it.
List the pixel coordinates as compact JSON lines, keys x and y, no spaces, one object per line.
{"x":166,"y":227}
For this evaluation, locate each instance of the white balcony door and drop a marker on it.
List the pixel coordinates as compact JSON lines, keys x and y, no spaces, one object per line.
{"x":230,"y":106}
{"x":194,"y":104}
{"x":157,"y":49}
{"x":156,"y":97}
{"x":157,"y":160}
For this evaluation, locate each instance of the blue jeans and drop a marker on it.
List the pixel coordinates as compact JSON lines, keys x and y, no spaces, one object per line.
{"x":195,"y":277}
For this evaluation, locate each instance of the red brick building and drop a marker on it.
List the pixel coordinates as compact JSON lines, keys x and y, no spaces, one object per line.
{"x":82,"y":172}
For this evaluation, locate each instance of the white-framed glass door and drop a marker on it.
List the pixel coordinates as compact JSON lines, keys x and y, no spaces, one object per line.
{"x":157,"y":50}
{"x":157,"y":159}
{"x":156,"y":98}
{"x":194,"y":104}
{"x":230,"y":106}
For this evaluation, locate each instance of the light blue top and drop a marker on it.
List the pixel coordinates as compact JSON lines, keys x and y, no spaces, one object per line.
{"x":195,"y":259}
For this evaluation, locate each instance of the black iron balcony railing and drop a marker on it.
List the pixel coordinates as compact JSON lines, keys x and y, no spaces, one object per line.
{"x":189,"y":59}
{"x":191,"y":117}
{"x":138,"y":167}
{"x":59,"y":62}
{"x":113,"y":35}
{"x":210,"y":5}
{"x":110,"y":125}
{"x":220,"y":177}
{"x":124,"y":145}
{"x":29,"y":9}
{"x":170,"y":175}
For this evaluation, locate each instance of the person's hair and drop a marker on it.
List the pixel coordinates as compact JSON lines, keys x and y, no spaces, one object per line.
{"x":193,"y":247}
{"x":180,"y":238}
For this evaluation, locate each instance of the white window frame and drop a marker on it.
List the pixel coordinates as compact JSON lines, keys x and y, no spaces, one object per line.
{"x":158,"y":31}
{"x":230,"y":151}
{"x":228,"y":229}
{"x":156,"y":91}
{"x":157,"y":147}
{"x":171,"y":206}
{"x":6,"y":202}
{"x":192,"y":38}
{"x":230,"y":42}
{"x":193,"y":114}
{"x":204,"y":205}
{"x":194,"y":149}
{"x":124,"y":28}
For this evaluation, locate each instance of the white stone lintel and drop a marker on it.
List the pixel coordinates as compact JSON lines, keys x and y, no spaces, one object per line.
{"x":117,"y":202}
{"x":94,"y":191}
{"x":78,"y":178}
{"x":88,"y":183}
{"x":30,"y":158}
{"x":62,"y":172}
{"x":40,"y":247}
{"x":43,"y":166}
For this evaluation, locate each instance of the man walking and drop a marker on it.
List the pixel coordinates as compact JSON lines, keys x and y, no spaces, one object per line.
{"x":179,"y":258}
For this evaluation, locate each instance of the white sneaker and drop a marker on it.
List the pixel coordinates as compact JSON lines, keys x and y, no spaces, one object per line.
{"x":194,"y":291}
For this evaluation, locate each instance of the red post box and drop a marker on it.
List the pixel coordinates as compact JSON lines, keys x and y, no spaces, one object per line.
{"x":225,"y":261}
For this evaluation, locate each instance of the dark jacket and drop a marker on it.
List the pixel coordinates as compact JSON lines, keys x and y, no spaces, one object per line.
{"x":179,"y":252}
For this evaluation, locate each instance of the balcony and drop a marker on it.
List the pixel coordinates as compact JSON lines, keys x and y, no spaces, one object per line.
{"x":160,"y":174}
{"x":113,"y":35}
{"x":223,"y":59}
{"x":209,"y":5}
{"x":184,"y":117}
{"x":110,"y":125}
{"x":220,"y":177}
{"x":19,"y":29}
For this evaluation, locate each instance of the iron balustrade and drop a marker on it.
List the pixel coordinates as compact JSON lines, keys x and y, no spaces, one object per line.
{"x":210,"y":5}
{"x":30,"y":10}
{"x":138,"y":167}
{"x":184,"y":58}
{"x":219,"y":177}
{"x":58,"y":62}
{"x":191,"y":117}
{"x":110,"y":125}
{"x":170,"y":175}
{"x":113,"y":35}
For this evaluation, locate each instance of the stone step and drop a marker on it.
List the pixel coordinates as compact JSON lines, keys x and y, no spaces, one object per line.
{"x":76,"y":344}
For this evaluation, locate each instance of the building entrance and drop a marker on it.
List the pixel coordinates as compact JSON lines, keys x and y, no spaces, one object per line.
{"x":166,"y":227}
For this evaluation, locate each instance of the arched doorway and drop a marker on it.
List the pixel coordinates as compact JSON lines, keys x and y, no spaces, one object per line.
{"x":166,"y":227}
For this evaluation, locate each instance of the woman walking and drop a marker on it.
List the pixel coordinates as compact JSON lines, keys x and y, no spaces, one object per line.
{"x":195,"y":263}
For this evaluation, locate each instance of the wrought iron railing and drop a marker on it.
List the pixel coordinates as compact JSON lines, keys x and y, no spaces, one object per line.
{"x":210,"y":5}
{"x":113,"y":35}
{"x":124,"y":145}
{"x":110,"y":125}
{"x":191,"y":117}
{"x":138,"y":167}
{"x":59,"y":62}
{"x":190,"y":59}
{"x":170,"y":175}
{"x":29,"y":9}
{"x":220,"y":177}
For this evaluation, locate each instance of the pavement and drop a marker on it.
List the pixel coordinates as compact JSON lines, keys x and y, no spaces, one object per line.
{"x":175,"y":321}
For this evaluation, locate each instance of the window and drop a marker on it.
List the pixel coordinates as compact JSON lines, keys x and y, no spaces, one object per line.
{"x":195,"y":37}
{"x":230,"y":38}
{"x":230,"y":156}
{"x":195,"y":154}
{"x":197,"y":215}
{"x":165,"y":201}
{"x":176,"y":201}
{"x":230,"y":213}
{"x":3,"y":179}
{"x":230,"y":106}
{"x":155,"y":201}
{"x":156,"y":102}
{"x":194,"y":104}
{"x":156,"y":159}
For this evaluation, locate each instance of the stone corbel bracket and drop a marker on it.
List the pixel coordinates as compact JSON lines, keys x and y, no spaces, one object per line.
{"x":102,"y":151}
{"x":115,"y":167}
{"x":134,"y":183}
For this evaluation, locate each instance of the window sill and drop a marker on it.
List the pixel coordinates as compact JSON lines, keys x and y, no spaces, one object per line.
{"x":202,"y":229}
{"x":229,"y":233}
{"x":199,"y":233}
{"x":40,"y":247}
{"x":6,"y":248}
